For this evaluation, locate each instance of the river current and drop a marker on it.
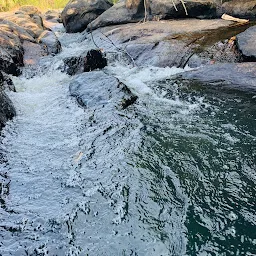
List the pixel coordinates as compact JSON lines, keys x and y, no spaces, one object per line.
{"x":173,"y":174}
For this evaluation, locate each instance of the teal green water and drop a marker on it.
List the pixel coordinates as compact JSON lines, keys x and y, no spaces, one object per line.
{"x":199,"y":155}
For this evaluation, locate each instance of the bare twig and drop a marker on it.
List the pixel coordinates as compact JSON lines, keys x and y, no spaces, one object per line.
{"x":120,"y":49}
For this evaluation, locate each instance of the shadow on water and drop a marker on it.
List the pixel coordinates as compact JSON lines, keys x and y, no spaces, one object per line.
{"x":199,"y":143}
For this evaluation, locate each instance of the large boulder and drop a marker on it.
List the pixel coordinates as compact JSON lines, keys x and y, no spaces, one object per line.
{"x":238,"y":8}
{"x":246,"y":43}
{"x":11,"y":51}
{"x":171,"y":43}
{"x":133,"y":11}
{"x":163,"y":9}
{"x":79,"y":13}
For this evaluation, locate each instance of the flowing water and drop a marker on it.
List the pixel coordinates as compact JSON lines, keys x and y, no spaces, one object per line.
{"x":172,"y":174}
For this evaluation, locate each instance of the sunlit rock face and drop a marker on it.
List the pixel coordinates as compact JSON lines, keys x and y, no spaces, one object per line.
{"x":79,"y":13}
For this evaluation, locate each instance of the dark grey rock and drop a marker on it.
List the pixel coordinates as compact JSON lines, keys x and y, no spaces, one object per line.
{"x":96,"y":90}
{"x":240,"y":76}
{"x":133,"y":11}
{"x":79,"y":13}
{"x":74,"y":65}
{"x":246,"y":43}
{"x":7,"y":110}
{"x":241,"y":9}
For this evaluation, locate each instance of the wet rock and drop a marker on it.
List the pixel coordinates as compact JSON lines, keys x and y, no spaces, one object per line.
{"x":97,"y":89}
{"x":50,"y":42}
{"x":74,"y":65}
{"x":7,"y":110}
{"x":133,"y":11}
{"x":79,"y":13}
{"x":94,"y":59}
{"x":241,"y":9}
{"x":6,"y":82}
{"x":246,"y":43}
{"x":240,"y":76}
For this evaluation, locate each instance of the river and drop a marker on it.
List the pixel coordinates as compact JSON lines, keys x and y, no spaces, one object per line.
{"x":173,"y":174}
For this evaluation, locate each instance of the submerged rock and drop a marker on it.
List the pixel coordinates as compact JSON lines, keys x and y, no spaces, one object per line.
{"x":79,"y":13}
{"x":246,"y":43}
{"x":74,"y":65}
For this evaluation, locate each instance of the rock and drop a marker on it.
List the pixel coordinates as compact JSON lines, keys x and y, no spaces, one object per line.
{"x":133,"y":11}
{"x":53,"y":15}
{"x":94,"y":59}
{"x":202,"y":9}
{"x":7,"y":110}
{"x":172,"y":43}
{"x":6,"y":82}
{"x":239,"y":76}
{"x":246,"y":43}
{"x":242,"y":9}
{"x":11,"y":51}
{"x":96,"y":90}
{"x":79,"y":13}
{"x":29,"y":9}
{"x":74,"y":65}
{"x":31,"y":23}
{"x":50,"y":41}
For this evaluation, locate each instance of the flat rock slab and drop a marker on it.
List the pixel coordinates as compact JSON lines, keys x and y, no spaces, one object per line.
{"x":171,"y":43}
{"x":240,"y":76}
{"x":246,"y":42}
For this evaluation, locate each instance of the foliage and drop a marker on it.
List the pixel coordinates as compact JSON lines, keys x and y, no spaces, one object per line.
{"x":6,"y":5}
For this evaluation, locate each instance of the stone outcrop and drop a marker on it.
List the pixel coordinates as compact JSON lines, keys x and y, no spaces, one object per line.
{"x":174,"y":42}
{"x":18,"y":29}
{"x":133,"y":11}
{"x":79,"y":13}
{"x":239,"y":76}
{"x":246,"y":43}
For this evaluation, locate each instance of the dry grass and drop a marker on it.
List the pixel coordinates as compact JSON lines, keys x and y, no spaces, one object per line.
{"x":6,"y":5}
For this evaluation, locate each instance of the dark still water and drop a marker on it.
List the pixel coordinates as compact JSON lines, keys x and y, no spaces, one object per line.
{"x":198,"y":162}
